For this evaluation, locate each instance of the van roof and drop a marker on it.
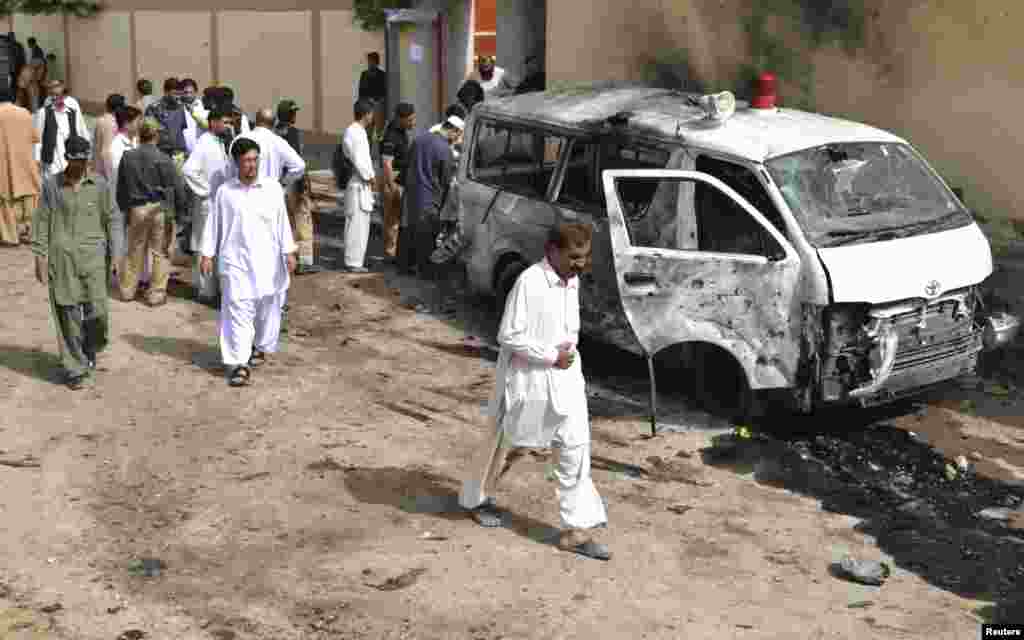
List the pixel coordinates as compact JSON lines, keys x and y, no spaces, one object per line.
{"x":751,"y":134}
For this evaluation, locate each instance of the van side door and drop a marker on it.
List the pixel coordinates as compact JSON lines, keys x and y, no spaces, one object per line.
{"x":721,"y":274}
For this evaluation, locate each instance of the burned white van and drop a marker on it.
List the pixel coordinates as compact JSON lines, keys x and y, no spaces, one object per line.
{"x":817,"y":256}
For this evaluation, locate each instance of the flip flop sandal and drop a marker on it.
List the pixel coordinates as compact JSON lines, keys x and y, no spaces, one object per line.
{"x":76,"y":384}
{"x":592,"y":549}
{"x":257,"y":358}
{"x":240,"y":377}
{"x":487,"y":514}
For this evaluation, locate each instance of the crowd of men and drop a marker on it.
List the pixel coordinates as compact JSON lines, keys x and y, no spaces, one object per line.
{"x":182,"y":160}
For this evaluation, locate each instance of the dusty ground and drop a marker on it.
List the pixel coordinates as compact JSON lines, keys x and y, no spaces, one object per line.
{"x":318,"y":503}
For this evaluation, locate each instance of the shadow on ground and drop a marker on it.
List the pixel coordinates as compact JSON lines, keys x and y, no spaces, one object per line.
{"x":921,"y":509}
{"x":202,"y":355}
{"x":421,"y":491}
{"x":31,"y":363}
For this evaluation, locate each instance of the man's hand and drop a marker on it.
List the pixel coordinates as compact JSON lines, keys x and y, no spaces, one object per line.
{"x":206,"y":266}
{"x":565,"y":358}
{"x":42,"y":270}
{"x":291,"y":263}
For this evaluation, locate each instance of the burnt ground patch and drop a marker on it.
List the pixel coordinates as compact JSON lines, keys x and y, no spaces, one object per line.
{"x":945,"y":523}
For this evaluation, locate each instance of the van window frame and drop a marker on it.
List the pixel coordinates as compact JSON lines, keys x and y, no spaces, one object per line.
{"x":599,"y":207}
{"x":516,"y":125}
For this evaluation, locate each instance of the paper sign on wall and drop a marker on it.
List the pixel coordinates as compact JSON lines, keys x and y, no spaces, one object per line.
{"x":415,"y":53}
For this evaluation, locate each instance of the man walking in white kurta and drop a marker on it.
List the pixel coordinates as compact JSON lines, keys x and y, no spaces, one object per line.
{"x":359,"y":192}
{"x":540,"y":396}
{"x":249,"y":234}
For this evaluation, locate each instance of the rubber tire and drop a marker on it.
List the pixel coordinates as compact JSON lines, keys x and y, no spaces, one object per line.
{"x":506,"y":279}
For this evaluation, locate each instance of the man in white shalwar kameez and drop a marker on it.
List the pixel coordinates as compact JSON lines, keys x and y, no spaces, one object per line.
{"x":540,"y":396}
{"x":278,"y":161}
{"x":359,"y":191}
{"x":249,"y":234}
{"x":207,"y":168}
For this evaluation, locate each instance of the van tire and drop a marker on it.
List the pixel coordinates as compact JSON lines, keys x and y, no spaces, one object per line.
{"x":506,"y":277}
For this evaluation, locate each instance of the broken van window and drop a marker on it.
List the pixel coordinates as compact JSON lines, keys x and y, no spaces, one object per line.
{"x":515,"y":159}
{"x":852,"y":193}
{"x":744,"y":182}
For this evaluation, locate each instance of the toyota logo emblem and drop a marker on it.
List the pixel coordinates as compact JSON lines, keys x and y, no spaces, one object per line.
{"x":932,"y":289}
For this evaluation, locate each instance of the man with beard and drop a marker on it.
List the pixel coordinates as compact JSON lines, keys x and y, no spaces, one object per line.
{"x":150,"y":191}
{"x":69,"y":238}
{"x":144,"y":89}
{"x":206,"y":170}
{"x":394,"y":153}
{"x":494,"y":80}
{"x":248,"y":233}
{"x":60,"y":119}
{"x":170,"y":113}
{"x":540,"y":395}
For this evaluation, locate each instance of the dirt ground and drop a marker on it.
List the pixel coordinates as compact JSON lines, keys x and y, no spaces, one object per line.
{"x":319,"y":503}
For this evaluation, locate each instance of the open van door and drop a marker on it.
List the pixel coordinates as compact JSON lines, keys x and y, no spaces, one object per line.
{"x":695,"y":262}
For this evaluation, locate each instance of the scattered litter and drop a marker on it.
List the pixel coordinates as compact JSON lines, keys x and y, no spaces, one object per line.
{"x":962,"y":464}
{"x":132,"y":634}
{"x":430,"y":536}
{"x":52,"y":608}
{"x":51,"y":561}
{"x":300,"y":333}
{"x":115,"y":609}
{"x":950,"y":472}
{"x":869,"y":572}
{"x":255,"y":476}
{"x":996,"y":513}
{"x":223,"y":634}
{"x":863,"y":604}
{"x":977,"y":456}
{"x":743,"y":432}
{"x":684,"y":454}
{"x":327,"y":464}
{"x":745,"y":626}
{"x":680,"y":508}
{"x":147,"y":567}
{"x":402,"y":581}
{"x":28,"y":462}
{"x":336,"y":306}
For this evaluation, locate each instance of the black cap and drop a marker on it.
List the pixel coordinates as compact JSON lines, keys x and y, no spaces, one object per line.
{"x":404,"y":110}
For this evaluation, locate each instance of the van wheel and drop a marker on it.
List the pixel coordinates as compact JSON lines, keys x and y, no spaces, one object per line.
{"x":721,"y":387}
{"x":506,"y":279}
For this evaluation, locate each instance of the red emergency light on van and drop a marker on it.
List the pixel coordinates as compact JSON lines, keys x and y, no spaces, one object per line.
{"x":765,"y":98}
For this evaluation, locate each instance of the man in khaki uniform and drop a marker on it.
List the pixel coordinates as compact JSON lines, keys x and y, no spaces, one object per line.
{"x":71,"y":231}
{"x":19,"y":173}
{"x":151,"y":191}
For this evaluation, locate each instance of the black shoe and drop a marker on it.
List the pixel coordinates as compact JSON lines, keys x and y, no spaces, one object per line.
{"x":76,"y":383}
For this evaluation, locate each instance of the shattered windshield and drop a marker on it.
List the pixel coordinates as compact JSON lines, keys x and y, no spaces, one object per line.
{"x":854,"y":193}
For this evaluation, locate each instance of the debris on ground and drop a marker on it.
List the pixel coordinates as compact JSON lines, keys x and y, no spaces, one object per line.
{"x":680,"y":508}
{"x":863,"y":604}
{"x":401,"y":581}
{"x":432,"y":537}
{"x":132,"y":634}
{"x":326,"y":464}
{"x":52,"y":608}
{"x":869,"y":572}
{"x":147,"y":567}
{"x":27,"y":462}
